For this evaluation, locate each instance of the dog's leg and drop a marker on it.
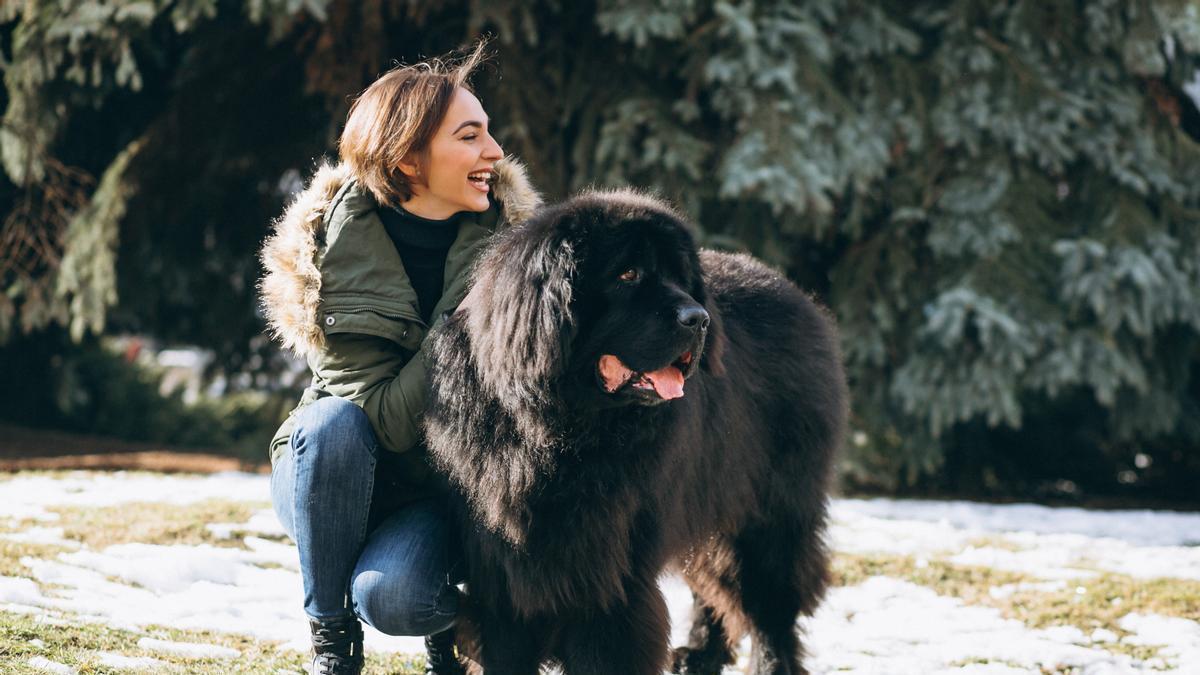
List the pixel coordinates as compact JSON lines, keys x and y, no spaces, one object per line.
{"x":783,"y":574}
{"x":508,"y":646}
{"x":707,"y":650}
{"x":625,"y":640}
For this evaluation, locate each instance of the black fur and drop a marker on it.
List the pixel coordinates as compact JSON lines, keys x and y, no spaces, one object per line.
{"x":573,"y":500}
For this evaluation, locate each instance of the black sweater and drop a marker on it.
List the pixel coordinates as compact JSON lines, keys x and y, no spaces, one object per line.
{"x":422,"y":244}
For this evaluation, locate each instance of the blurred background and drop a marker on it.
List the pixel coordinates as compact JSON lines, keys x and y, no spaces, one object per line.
{"x":1000,"y":201}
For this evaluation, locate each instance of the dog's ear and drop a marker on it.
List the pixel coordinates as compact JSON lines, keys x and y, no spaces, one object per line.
{"x":518,"y":312}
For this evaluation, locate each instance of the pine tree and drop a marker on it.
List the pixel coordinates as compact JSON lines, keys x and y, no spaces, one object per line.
{"x":999,"y":200}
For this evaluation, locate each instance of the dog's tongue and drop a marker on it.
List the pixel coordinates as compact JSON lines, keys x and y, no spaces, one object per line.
{"x":668,"y":382}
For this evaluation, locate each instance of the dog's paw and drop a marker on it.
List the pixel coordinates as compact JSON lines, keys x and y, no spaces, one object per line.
{"x":688,"y":661}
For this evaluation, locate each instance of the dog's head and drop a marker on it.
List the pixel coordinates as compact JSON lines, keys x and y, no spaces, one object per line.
{"x":599,"y":300}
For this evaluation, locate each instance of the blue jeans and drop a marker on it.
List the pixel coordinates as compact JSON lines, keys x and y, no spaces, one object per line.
{"x":392,"y":570}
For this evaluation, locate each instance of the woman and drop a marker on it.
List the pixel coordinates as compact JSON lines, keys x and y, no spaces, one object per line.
{"x":359,"y":268}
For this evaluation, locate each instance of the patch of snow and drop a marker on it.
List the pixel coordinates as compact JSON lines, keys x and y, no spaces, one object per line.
{"x":44,"y":664}
{"x":189,"y":587}
{"x":27,"y":496}
{"x":1147,"y":562}
{"x":38,"y":643}
{"x":855,"y":532}
{"x":267,"y":551}
{"x":40,"y":535}
{"x":1045,"y":562}
{"x":53,"y":619}
{"x":679,"y":604}
{"x":1135,"y":526}
{"x":52,"y":572}
{"x":262,"y":522}
{"x":122,"y":662}
{"x":189,"y":649}
{"x":19,"y":591}
{"x":878,"y":526}
{"x":172,"y":569}
{"x":15,"y":608}
{"x":1006,"y":590}
{"x":1180,"y":638}
{"x":892,"y":626}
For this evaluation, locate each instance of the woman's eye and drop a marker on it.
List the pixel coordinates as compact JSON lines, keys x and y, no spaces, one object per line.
{"x":469,"y":137}
{"x":629,"y":275}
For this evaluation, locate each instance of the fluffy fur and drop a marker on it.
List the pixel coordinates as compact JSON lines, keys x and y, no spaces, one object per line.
{"x":573,"y":499}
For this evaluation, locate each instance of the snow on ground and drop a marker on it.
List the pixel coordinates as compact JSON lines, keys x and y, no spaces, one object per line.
{"x":1180,"y":636}
{"x":1051,"y":543}
{"x":187,"y":649}
{"x":40,"y":535}
{"x":1141,"y":527}
{"x":26,"y":496}
{"x":46,"y":665}
{"x":911,"y":629}
{"x":121,"y":662}
{"x":882,"y":625}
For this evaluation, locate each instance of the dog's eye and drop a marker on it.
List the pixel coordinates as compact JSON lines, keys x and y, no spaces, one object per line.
{"x":630,"y":275}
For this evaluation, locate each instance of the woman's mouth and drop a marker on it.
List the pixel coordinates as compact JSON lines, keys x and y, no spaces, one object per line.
{"x":480,"y":180}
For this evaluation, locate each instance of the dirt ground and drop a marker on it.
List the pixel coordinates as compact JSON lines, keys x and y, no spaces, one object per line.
{"x":22,"y":448}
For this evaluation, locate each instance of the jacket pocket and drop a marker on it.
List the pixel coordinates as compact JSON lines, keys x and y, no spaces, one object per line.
{"x":402,"y":330}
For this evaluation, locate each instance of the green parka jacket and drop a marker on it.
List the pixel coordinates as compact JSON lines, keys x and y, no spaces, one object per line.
{"x":335,"y":292}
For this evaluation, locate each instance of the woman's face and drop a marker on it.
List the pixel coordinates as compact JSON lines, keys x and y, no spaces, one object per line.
{"x":457,"y":171}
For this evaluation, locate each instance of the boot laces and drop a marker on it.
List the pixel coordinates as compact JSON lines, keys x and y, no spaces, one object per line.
{"x":337,"y":647}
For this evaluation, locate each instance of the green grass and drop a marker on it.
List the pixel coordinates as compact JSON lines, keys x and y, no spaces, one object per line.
{"x":77,"y":645}
{"x":970,"y":584}
{"x":11,"y":553}
{"x":151,"y":523}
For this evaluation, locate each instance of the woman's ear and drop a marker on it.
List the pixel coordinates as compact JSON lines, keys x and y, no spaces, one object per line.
{"x":410,"y":169}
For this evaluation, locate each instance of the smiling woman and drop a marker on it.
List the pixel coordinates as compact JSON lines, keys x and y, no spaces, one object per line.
{"x":358,"y":270}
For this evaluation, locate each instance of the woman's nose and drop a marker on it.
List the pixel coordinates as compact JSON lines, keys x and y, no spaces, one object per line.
{"x":493,"y":149}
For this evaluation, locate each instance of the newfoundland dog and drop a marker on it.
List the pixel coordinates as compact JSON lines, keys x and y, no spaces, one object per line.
{"x":609,"y":403}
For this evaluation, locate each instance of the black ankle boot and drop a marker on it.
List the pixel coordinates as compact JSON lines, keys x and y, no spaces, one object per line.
{"x":440,"y":657}
{"x":337,"y":646}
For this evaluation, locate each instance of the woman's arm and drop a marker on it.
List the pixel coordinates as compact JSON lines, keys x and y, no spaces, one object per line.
{"x":374,"y":373}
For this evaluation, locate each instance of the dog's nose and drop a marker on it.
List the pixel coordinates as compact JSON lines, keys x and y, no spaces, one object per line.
{"x":692,"y":316}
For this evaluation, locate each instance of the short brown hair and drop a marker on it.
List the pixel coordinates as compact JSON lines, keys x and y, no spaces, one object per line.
{"x":394,"y":120}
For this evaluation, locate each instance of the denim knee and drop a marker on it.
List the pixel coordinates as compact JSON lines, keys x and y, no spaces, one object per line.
{"x":332,"y":424}
{"x":393,"y":607}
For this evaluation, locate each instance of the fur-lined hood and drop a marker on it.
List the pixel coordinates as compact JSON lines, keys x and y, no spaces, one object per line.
{"x":291,"y":287}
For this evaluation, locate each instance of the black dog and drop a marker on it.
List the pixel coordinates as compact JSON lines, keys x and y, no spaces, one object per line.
{"x":608,"y":403}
